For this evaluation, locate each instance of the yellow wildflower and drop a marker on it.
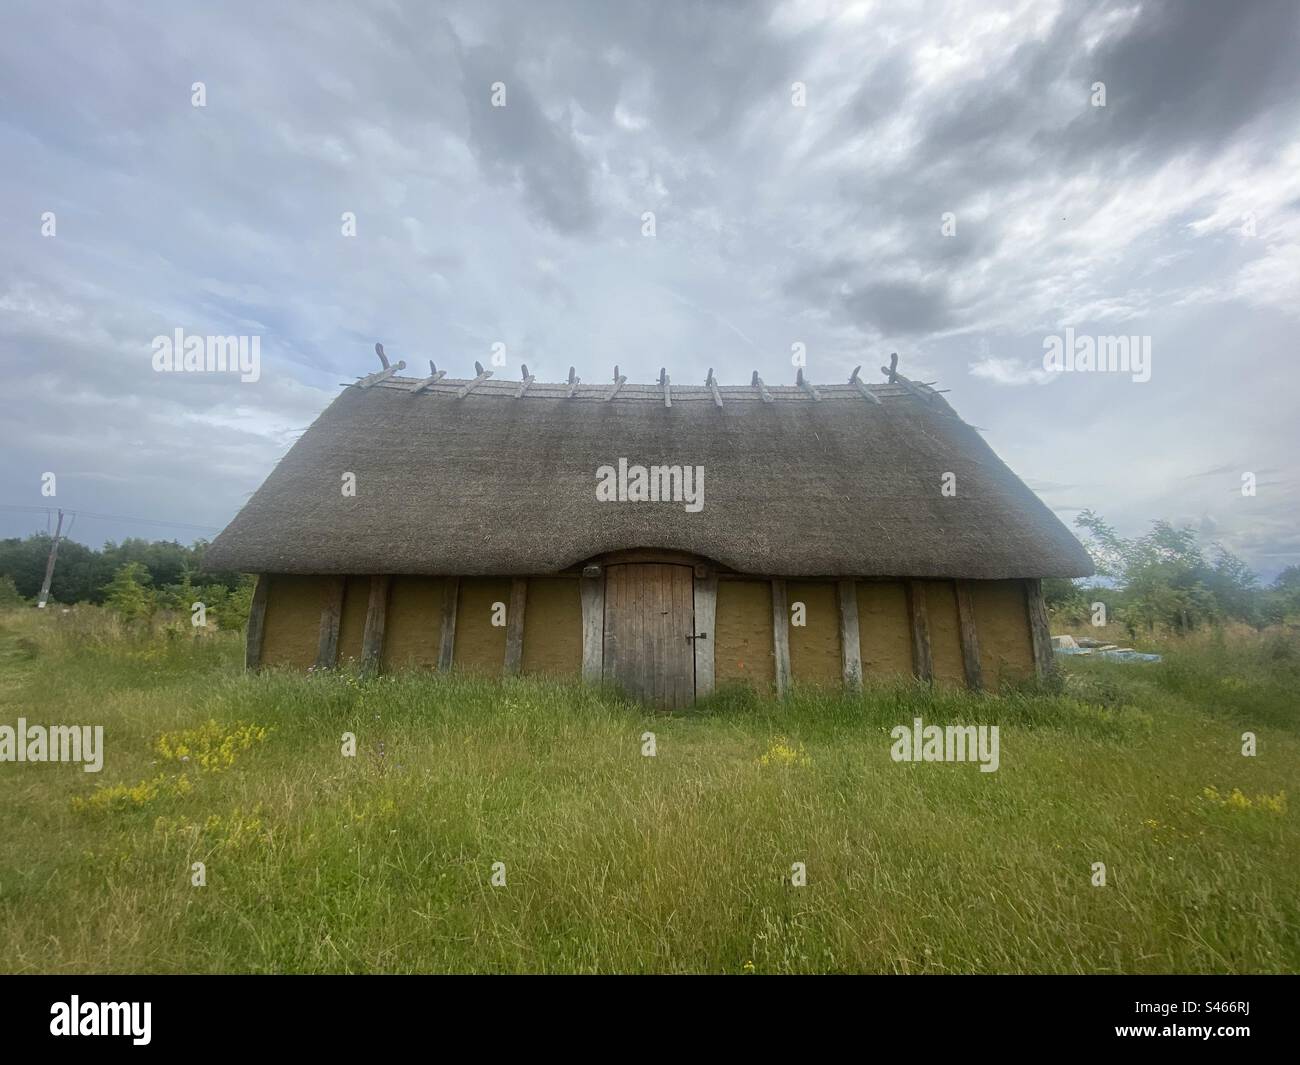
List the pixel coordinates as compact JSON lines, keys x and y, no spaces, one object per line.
{"x":1238,"y":800}
{"x":781,"y":753}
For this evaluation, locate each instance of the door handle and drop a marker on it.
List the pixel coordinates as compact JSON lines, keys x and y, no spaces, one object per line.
{"x":698,"y":636}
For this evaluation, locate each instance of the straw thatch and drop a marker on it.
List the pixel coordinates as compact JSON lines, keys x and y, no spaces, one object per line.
{"x":495,"y":484}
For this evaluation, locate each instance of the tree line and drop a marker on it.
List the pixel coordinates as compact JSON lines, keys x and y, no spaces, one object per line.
{"x":136,"y":578}
{"x":1166,"y":580}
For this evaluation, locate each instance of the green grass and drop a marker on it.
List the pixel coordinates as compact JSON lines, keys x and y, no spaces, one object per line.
{"x":617,"y":862}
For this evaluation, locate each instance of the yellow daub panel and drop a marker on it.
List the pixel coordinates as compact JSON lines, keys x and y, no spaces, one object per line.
{"x":291,"y":628}
{"x":1002,"y":627}
{"x":553,"y":627}
{"x":945,"y":633}
{"x":743,"y":633}
{"x":815,"y":645}
{"x":480,"y":645}
{"x":413,"y":625}
{"x":884,"y":629}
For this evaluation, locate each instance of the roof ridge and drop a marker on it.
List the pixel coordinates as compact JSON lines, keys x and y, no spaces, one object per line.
{"x":661,"y":391}
{"x":648,"y":392}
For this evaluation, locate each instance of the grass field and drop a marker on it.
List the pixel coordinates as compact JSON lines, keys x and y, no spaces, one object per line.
{"x":618,"y":862}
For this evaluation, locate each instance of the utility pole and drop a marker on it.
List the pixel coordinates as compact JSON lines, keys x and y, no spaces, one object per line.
{"x":49,"y":566}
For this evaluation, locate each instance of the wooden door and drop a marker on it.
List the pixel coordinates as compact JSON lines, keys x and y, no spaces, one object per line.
{"x":649,"y":615}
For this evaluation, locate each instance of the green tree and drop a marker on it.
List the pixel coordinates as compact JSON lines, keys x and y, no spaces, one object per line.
{"x":232,"y":613}
{"x":9,"y":595}
{"x":1163,"y":578}
{"x":179,"y":597}
{"x":128,"y":593}
{"x":1065,"y":599}
{"x":1282,"y":599}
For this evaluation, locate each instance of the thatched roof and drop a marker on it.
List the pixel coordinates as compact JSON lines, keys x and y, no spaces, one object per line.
{"x":495,"y":483}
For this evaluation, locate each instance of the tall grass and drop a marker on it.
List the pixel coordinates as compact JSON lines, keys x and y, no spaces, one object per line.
{"x":614,"y":861}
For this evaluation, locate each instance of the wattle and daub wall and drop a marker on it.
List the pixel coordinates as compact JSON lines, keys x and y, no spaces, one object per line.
{"x":465,"y":624}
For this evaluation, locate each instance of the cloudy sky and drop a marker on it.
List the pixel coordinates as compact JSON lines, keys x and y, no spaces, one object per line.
{"x":1172,"y":212}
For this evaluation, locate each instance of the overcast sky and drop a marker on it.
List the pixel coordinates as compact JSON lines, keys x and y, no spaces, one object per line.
{"x":1171,"y":212}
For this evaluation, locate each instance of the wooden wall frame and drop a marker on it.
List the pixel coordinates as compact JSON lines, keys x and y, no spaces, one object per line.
{"x":1040,"y":632}
{"x":850,"y":639}
{"x":919,"y":616}
{"x":447,"y":640}
{"x":592,"y":593}
{"x":970,"y":644}
{"x":372,"y":640}
{"x":781,"y":635}
{"x":257,"y":623}
{"x":706,"y":636}
{"x":515,"y":625}
{"x":331,"y":615}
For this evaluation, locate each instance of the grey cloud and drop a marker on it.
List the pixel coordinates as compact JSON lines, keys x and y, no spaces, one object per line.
{"x":891,"y":307}
{"x":1191,"y":74}
{"x":518,"y":142}
{"x":900,"y":307}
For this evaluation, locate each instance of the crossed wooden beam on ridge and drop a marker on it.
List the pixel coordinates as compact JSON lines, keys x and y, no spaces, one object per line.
{"x":665,"y":385}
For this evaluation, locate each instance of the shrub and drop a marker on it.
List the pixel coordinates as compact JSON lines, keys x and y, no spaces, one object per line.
{"x":128,"y":594}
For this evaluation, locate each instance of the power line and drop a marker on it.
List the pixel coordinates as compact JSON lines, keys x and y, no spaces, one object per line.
{"x":113,"y":517}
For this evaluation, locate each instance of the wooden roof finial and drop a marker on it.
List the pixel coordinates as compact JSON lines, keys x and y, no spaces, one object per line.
{"x":854,"y":379}
{"x":435,"y":375}
{"x":665,"y":386}
{"x":806,"y":385}
{"x":896,"y":378}
{"x":528,"y":380}
{"x":757,"y":382}
{"x":573,"y":383}
{"x":385,"y":373}
{"x":712,"y":382}
{"x":619,"y":379}
{"x":469,"y":386}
